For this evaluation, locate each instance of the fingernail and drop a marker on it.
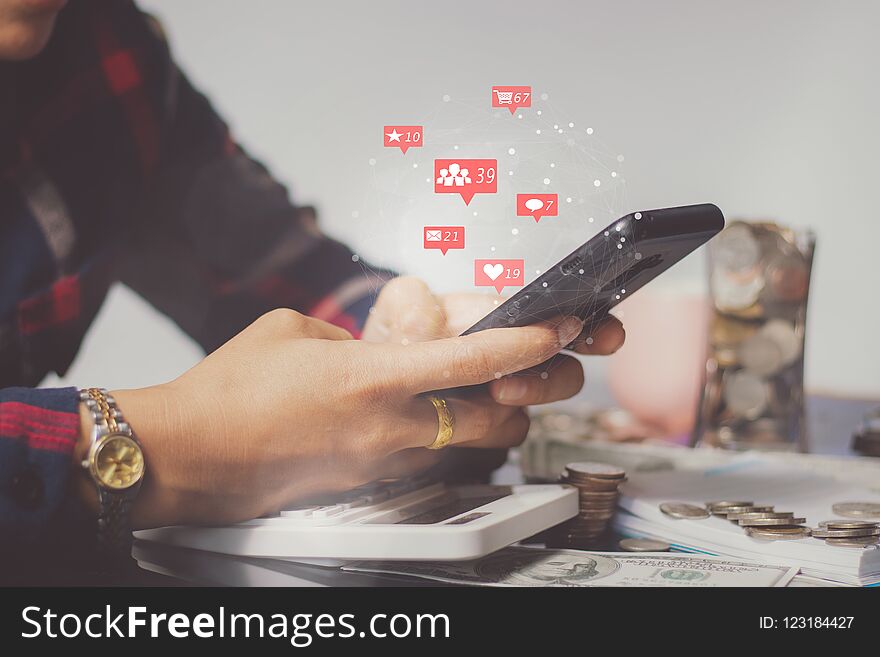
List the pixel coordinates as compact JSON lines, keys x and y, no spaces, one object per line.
{"x":619,"y":342}
{"x":511,"y":389}
{"x":568,"y":329}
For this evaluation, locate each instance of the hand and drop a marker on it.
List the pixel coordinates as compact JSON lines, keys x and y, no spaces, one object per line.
{"x":292,"y":407}
{"x":406,"y":311}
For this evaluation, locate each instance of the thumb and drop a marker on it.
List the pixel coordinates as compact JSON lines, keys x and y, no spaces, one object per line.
{"x":484,"y":356}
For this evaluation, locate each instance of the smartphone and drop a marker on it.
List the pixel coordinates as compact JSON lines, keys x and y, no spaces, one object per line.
{"x":609,"y":268}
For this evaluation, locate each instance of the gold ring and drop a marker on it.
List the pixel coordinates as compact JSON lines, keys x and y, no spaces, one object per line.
{"x":446,"y":420}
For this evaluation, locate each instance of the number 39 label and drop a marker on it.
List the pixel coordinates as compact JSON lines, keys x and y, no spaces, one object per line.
{"x":499,"y":273}
{"x":465,"y":177}
{"x":443,"y":238}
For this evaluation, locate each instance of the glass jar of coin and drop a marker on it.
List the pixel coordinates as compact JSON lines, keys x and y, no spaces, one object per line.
{"x":752,"y":398}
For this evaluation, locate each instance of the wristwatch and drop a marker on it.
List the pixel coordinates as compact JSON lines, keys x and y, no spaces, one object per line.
{"x":115,"y":462}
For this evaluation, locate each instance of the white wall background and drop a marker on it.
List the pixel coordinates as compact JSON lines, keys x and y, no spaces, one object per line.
{"x":770,"y":109}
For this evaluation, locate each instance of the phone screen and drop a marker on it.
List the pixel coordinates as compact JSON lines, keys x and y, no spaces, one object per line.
{"x":609,"y":268}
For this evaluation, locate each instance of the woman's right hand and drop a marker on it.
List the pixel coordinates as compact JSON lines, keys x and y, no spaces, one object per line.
{"x":293,"y":406}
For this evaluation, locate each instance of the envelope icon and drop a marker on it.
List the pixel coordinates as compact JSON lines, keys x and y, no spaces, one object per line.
{"x":433,"y":235}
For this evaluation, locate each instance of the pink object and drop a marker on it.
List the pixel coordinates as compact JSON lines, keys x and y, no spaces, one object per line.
{"x":465,"y":177}
{"x":403,"y":137}
{"x":537,"y":205}
{"x":657,"y":374}
{"x":499,"y":273}
{"x":443,"y":237}
{"x":512,"y":98}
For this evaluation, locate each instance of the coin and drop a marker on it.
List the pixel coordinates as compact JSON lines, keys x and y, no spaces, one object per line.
{"x":849,"y":524}
{"x":643,"y":545}
{"x":726,"y":331}
{"x":771,"y":522}
{"x":789,"y":277}
{"x":731,"y":295}
{"x":845,"y":533}
{"x":680,"y":510}
{"x":751,"y":508}
{"x":778,"y":533}
{"x":592,"y":469}
{"x":735,"y":248}
{"x":854,"y":542}
{"x":786,"y":337}
{"x":761,"y":355}
{"x":754,"y":515}
{"x":712,"y":506}
{"x":745,"y":394}
{"x":857,"y":509}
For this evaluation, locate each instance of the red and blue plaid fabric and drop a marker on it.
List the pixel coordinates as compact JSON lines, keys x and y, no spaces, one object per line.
{"x":114,"y":168}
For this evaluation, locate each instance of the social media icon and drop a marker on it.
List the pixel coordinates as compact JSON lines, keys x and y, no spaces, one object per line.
{"x":403,"y":137}
{"x":499,"y":273}
{"x":537,"y":205}
{"x":465,"y":177}
{"x":512,"y":97}
{"x":444,"y":238}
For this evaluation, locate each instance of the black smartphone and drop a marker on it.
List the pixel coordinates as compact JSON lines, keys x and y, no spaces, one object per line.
{"x":609,"y":268}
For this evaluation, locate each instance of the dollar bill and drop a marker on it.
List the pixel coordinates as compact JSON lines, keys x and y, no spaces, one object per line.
{"x":524,"y":566}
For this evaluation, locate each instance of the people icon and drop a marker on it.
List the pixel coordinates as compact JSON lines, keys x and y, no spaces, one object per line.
{"x":454,"y":176}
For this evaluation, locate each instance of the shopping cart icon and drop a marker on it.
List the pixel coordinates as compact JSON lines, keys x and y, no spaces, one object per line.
{"x":511,"y":98}
{"x":504,"y":97}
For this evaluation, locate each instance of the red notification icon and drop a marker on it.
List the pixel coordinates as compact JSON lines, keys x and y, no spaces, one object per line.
{"x":499,"y":273}
{"x":465,"y":177}
{"x":403,"y":137}
{"x":537,"y":205}
{"x":443,"y":238}
{"x":512,"y":98}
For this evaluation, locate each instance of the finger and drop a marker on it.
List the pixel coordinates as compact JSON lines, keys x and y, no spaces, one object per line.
{"x":284,"y":323}
{"x":464,"y":309}
{"x":406,"y":311}
{"x":559,"y":378}
{"x":481,"y":357}
{"x":476,"y":416}
{"x":511,"y":433}
{"x":407,"y":463}
{"x":605,"y":340}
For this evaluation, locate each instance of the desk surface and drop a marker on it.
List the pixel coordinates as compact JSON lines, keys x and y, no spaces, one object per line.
{"x":831,"y":420}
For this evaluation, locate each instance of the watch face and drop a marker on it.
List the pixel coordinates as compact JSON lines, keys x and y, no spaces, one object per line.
{"x":119,"y":462}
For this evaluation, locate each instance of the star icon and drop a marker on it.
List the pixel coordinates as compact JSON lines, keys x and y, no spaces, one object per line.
{"x":394,"y":135}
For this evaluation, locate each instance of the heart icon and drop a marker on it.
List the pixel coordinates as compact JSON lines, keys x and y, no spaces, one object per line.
{"x":493,"y":271}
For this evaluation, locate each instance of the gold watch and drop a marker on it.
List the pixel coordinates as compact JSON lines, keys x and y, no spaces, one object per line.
{"x":115,"y":462}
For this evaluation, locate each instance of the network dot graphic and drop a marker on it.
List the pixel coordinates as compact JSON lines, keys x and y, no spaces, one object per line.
{"x":540,"y":149}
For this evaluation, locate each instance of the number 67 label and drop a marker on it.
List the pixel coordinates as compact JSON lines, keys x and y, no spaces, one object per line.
{"x":465,"y":177}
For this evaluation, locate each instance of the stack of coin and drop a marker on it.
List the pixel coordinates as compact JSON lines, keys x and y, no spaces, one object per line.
{"x":849,"y":533}
{"x":597,"y":485}
{"x":753,"y":389}
{"x":761,"y":520}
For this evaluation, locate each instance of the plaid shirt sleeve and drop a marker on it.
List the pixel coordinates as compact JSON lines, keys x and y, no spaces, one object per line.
{"x":39,"y":429}
{"x":220,"y":243}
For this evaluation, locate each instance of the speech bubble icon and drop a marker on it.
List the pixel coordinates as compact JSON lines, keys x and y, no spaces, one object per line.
{"x":512,"y":98}
{"x":403,"y":137}
{"x":443,"y":238}
{"x":465,"y":177}
{"x":537,"y":205}
{"x":499,"y":273}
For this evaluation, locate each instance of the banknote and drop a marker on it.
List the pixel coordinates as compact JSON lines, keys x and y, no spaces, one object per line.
{"x":524,"y":566}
